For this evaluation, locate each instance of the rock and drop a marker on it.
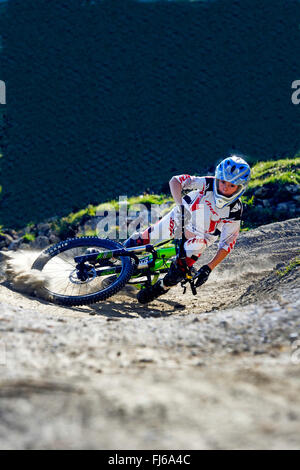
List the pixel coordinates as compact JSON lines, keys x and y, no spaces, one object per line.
{"x":283,"y":207}
{"x":297,"y":198}
{"x":40,"y":242}
{"x":266,"y":203}
{"x":293,"y":336}
{"x":10,"y":232}
{"x":90,"y":224}
{"x":54,"y":238}
{"x":262,"y":192}
{"x":15,"y":245}
{"x":43,"y":228}
{"x":23,"y":232}
{"x":292,"y":206}
{"x":5,"y":239}
{"x":293,"y":188}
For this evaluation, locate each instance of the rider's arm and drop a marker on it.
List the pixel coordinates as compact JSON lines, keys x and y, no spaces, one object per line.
{"x":175,"y":188}
{"x":230,"y":229}
{"x":229,"y":234}
{"x":180,"y":182}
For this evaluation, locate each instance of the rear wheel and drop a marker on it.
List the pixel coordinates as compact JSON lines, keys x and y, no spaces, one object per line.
{"x":64,"y":284}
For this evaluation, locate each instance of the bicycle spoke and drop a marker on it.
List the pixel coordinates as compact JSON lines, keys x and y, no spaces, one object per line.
{"x":72,"y":285}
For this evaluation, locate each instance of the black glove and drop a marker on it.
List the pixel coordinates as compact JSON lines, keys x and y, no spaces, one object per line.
{"x":202,"y":275}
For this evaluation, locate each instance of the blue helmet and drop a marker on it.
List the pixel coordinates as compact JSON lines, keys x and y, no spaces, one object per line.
{"x":234,"y":170}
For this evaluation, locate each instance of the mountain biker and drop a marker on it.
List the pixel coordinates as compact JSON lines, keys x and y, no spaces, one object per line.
{"x":214,"y":209}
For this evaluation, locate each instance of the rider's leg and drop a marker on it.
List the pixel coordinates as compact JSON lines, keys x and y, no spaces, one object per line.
{"x":162,"y":230}
{"x":193,"y":249}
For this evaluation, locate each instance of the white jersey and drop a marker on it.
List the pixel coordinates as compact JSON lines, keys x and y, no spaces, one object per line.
{"x":207,"y":221}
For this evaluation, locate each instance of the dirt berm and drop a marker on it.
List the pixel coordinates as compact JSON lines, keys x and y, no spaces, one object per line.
{"x":220,"y":370}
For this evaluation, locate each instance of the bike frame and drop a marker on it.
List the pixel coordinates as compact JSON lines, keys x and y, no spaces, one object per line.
{"x":153,"y":261}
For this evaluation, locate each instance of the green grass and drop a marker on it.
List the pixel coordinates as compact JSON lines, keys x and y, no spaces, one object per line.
{"x":28,"y":237}
{"x":275,"y":176}
{"x":88,"y":233}
{"x":146,"y":199}
{"x":64,"y":226}
{"x":285,"y":171}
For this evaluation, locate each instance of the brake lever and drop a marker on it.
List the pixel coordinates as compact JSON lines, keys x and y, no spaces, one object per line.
{"x":192,"y":285}
{"x":194,"y":290}
{"x":183,"y":285}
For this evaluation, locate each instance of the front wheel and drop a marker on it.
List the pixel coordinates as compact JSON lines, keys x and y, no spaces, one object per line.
{"x":65,"y":287}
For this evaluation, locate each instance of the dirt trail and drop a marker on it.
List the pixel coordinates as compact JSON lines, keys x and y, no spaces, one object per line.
{"x":217,"y":371}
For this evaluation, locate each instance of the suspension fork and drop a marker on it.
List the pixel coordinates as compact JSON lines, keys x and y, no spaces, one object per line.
{"x":182,"y":256}
{"x":181,"y":251}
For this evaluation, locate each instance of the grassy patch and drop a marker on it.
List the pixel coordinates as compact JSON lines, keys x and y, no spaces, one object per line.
{"x":146,"y":199}
{"x":275,"y":177}
{"x":28,"y":237}
{"x":66,"y":226}
{"x":285,"y":171}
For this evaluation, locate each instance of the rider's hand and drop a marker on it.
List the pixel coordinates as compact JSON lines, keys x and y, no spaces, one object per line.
{"x":202,"y":275}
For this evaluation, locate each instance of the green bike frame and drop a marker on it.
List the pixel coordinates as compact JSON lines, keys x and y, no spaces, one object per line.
{"x":161,"y":264}
{"x":163,"y":258}
{"x":148,"y":263}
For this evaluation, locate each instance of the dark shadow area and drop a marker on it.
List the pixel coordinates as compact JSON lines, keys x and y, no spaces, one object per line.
{"x":110,"y":98}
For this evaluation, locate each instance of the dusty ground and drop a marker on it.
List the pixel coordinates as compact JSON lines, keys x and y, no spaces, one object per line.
{"x":217,"y":371}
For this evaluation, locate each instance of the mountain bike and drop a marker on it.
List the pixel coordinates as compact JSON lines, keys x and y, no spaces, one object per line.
{"x":85,"y":270}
